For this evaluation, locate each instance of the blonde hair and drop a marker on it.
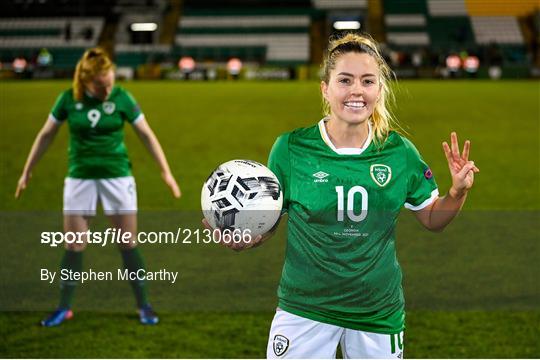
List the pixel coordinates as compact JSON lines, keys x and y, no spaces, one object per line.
{"x":382,"y":119}
{"x":94,"y":62}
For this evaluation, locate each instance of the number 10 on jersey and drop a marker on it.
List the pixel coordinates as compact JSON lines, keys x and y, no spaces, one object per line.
{"x":350,"y":200}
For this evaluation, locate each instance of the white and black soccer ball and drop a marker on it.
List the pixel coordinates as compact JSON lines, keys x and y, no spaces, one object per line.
{"x":243,"y":195}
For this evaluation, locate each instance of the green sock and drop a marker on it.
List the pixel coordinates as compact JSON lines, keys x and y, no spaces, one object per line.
{"x":72,"y":260}
{"x":133,"y":261}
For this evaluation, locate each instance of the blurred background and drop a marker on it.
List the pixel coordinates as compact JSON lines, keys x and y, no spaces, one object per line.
{"x":268,"y":39}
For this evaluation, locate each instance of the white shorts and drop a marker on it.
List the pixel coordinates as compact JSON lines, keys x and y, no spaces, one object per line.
{"x":295,"y":337}
{"x":117,"y":196}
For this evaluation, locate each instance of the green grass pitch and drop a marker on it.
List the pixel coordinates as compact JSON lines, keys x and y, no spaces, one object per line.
{"x":471,"y":291}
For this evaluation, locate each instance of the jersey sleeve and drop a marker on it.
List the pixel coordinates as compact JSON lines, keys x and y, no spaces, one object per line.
{"x":59,"y":111}
{"x":130,"y":108}
{"x":279,"y":163}
{"x":421,"y":186}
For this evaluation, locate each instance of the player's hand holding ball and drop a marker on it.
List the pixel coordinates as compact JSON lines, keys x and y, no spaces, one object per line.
{"x":241,"y":202}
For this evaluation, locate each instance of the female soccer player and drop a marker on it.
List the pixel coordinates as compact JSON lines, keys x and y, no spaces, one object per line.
{"x":99,"y":168}
{"x":345,"y":181}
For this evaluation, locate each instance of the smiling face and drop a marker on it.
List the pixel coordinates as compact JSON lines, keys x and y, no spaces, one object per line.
{"x":353,"y":88}
{"x":101,"y":85}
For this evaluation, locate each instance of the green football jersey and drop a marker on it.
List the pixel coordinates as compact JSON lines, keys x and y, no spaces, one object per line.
{"x":96,"y":129}
{"x":340,"y":264}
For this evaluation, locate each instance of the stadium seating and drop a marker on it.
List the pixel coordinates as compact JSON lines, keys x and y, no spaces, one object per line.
{"x":499,"y":29}
{"x":455,"y":25}
{"x":497,"y":22}
{"x":49,"y":32}
{"x":406,"y":22}
{"x":288,"y":34}
{"x":447,"y":8}
{"x":407,"y":29}
{"x":278,"y":38}
{"x":66,"y":38}
{"x":340,"y":4}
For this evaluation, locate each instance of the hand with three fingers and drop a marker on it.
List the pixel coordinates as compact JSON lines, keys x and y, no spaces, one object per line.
{"x":461,"y":168}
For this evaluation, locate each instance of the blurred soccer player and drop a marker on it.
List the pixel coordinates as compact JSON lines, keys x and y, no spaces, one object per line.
{"x":345,"y":181}
{"x":99,"y":168}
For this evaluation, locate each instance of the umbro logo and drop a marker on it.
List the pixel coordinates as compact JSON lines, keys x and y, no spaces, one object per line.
{"x":321,"y":176}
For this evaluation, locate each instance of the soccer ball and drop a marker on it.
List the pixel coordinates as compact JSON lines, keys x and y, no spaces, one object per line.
{"x":242,"y":195}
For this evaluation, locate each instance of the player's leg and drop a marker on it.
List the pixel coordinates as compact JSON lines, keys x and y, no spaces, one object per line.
{"x":131,"y":256}
{"x":119,"y":199}
{"x":133,"y":262}
{"x":295,"y":337}
{"x":368,"y":345}
{"x":79,"y":204}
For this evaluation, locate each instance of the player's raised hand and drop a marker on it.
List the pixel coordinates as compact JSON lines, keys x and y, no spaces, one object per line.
{"x":461,"y":168}
{"x":233,"y":242}
{"x":21,"y":185}
{"x":169,"y":179}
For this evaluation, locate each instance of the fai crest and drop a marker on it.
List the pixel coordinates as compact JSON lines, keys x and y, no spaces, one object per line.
{"x":281,"y":344}
{"x":381,"y":174}
{"x":108,"y":107}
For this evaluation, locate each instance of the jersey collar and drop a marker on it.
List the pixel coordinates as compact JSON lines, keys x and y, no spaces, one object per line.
{"x":343,"y":151}
{"x":91,"y":97}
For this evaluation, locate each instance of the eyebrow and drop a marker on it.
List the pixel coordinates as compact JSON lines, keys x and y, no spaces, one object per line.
{"x":351,"y":75}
